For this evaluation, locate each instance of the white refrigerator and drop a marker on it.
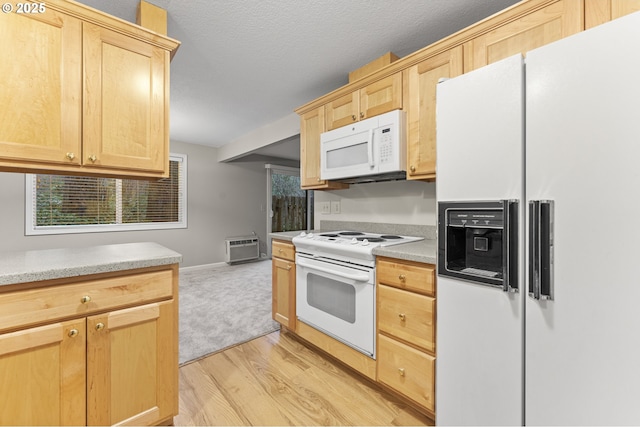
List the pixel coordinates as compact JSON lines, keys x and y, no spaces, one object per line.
{"x":552,"y":335}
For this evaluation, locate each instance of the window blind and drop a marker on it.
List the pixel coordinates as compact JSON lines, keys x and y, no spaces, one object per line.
{"x":64,"y":204}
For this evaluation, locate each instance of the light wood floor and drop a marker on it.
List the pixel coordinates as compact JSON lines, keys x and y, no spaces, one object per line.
{"x":277,"y":380}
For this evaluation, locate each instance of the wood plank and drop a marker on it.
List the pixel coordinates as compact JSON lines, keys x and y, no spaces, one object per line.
{"x":277,"y":379}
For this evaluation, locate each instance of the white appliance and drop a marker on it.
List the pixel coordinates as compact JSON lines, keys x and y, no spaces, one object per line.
{"x":370,"y":147}
{"x":241,"y":248}
{"x":335,"y":284}
{"x":565,"y":349}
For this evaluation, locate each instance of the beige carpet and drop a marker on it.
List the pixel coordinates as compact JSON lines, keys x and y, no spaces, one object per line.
{"x":224,"y":306}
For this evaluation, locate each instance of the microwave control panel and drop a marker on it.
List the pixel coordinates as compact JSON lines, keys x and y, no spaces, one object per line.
{"x":386,"y":145}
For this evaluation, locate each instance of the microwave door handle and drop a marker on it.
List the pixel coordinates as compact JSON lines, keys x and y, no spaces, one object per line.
{"x":371,"y":153}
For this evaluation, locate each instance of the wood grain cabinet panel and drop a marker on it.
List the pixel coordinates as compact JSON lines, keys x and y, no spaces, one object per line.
{"x":407,"y":316}
{"x":407,"y":370}
{"x":408,"y":275}
{"x":420,"y":105}
{"x":597,"y":12}
{"x":125,"y":93}
{"x":84,"y":93}
{"x":41,"y":94}
{"x":130,"y":366}
{"x":117,"y":366}
{"x":537,"y":28}
{"x":374,"y":99}
{"x":42,"y":375}
{"x":283,"y":283}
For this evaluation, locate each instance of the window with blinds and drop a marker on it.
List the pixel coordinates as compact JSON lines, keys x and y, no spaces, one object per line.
{"x":58,"y":204}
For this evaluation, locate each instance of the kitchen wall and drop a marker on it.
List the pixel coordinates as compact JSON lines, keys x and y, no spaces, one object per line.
{"x":224,"y":199}
{"x":396,"y":202}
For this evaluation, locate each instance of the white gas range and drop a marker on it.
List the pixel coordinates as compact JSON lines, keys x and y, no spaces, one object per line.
{"x":335,"y":283}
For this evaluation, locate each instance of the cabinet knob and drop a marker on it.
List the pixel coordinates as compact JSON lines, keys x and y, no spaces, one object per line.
{"x":93,"y":158}
{"x":70,"y":156}
{"x":402,"y":317}
{"x":353,"y":117}
{"x":73,"y":333}
{"x":280,"y":250}
{"x":288,"y":266}
{"x":401,"y":371}
{"x":402,"y":277}
{"x":412,"y":168}
{"x":319,"y":179}
{"x":85,"y":299}
{"x":362,"y":115}
{"x":100,"y":326}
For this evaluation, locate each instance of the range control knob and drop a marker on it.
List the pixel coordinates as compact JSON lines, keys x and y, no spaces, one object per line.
{"x":302,"y":234}
{"x":309,"y":235}
{"x":354,"y":241}
{"x":365,"y":242}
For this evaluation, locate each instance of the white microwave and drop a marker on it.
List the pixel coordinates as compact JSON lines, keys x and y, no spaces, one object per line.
{"x":374,"y":146}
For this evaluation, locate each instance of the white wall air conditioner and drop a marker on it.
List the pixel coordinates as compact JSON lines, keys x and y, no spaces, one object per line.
{"x":241,"y":248}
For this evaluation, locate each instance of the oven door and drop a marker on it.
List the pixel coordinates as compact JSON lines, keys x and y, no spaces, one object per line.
{"x":337,"y":299}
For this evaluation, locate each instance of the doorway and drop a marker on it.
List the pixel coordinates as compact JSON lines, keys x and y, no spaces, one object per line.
{"x":289,"y":208}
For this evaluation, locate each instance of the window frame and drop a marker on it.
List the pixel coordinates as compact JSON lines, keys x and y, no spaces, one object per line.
{"x":30,"y":211}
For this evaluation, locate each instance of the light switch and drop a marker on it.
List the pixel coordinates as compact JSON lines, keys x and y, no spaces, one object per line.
{"x":325,"y":207}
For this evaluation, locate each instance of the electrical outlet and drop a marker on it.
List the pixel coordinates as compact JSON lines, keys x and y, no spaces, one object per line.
{"x":325,"y":207}
{"x":335,"y":207}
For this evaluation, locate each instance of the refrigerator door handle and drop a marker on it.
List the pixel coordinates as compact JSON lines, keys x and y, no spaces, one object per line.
{"x":534,"y":284}
{"x":546,"y":249}
{"x":510,"y":246}
{"x":541,"y":249}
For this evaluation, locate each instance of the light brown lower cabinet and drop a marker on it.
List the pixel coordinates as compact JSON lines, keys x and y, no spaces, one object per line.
{"x":97,"y":352}
{"x":406,"y":313}
{"x":283,"y":284}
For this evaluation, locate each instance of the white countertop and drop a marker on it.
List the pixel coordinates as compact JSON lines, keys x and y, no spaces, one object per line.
{"x":38,"y":265}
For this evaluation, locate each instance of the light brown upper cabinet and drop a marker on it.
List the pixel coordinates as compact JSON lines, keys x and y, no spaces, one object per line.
{"x":311,"y":126}
{"x":597,"y":12}
{"x":420,"y":105}
{"x":376,"y":98}
{"x":87,"y":94}
{"x":541,"y":26}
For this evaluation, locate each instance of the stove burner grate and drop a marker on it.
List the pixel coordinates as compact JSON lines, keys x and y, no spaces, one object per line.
{"x":351,"y":233}
{"x":330,"y":235}
{"x":390,"y":237}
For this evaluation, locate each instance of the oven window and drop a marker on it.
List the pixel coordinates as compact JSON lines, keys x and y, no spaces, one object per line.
{"x":332,"y":297}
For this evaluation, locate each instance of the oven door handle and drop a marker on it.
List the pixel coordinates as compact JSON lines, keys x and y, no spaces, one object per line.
{"x":364,"y":277}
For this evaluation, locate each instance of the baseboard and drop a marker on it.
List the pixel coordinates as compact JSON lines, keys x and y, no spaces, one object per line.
{"x":203,"y":266}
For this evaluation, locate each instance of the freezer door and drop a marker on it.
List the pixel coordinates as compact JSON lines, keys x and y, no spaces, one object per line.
{"x":479,"y":367}
{"x":583,"y":146}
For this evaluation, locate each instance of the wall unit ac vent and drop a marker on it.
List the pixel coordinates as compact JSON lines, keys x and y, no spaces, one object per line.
{"x":241,"y":248}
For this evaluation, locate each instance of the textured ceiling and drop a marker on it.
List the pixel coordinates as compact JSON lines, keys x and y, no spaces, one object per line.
{"x":244,"y":64}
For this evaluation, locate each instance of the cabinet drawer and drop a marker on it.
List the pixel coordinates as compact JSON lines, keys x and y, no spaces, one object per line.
{"x":408,"y":316}
{"x":283,"y":250}
{"x":28,"y":307}
{"x":412,"y":276}
{"x":407,"y":370}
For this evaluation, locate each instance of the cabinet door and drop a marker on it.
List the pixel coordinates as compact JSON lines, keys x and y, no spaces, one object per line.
{"x":41,"y":96}
{"x":343,"y":111}
{"x":284,"y":292}
{"x":420,"y":105}
{"x":126,"y":98}
{"x":132,"y":365}
{"x":543,"y":26}
{"x":381,"y":97}
{"x":42,"y":375}
{"x":311,"y":126}
{"x":597,"y":12}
